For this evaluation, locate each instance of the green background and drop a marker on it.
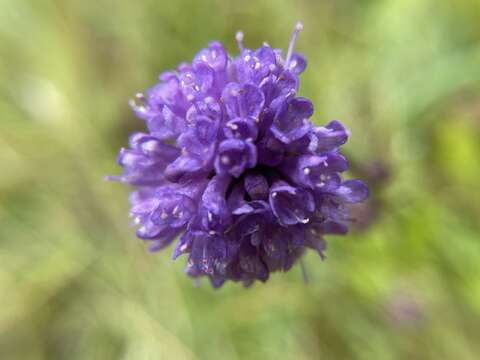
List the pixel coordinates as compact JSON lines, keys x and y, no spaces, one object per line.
{"x":403,"y":75}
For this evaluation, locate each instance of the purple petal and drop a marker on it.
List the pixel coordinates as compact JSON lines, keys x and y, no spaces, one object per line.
{"x":242,"y":100}
{"x":206,"y":108}
{"x":291,"y":120}
{"x":352,"y":191}
{"x":270,"y":151}
{"x":291,"y":205}
{"x":241,"y":128}
{"x":331,"y":136}
{"x":183,"y":166}
{"x":297,"y":64}
{"x":256,"y":186}
{"x":215,"y":212}
{"x":175,"y":209}
{"x":234,"y":156}
{"x":214,"y":56}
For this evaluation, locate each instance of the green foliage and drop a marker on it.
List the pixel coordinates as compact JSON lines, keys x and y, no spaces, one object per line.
{"x":404,"y":75}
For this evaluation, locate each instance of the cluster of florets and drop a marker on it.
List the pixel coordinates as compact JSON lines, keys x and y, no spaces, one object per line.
{"x":233,"y":167}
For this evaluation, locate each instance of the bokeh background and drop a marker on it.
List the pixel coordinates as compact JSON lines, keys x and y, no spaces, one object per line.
{"x":404,"y":75}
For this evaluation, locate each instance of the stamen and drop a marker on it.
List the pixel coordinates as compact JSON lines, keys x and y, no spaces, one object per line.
{"x":139,"y":102}
{"x":175,"y":209}
{"x":298,"y":28}
{"x":239,"y":38}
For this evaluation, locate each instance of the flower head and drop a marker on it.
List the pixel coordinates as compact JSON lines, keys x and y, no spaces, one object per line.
{"x":233,"y":167}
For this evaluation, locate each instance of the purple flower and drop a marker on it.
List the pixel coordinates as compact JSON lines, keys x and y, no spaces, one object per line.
{"x":235,"y":156}
{"x":233,"y":167}
{"x":291,"y":120}
{"x":291,"y":205}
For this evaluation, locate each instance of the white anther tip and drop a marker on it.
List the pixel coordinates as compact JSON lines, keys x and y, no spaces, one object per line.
{"x":299,"y":26}
{"x":239,"y":36}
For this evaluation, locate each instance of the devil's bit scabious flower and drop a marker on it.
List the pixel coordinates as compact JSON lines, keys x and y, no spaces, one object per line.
{"x":233,"y":167}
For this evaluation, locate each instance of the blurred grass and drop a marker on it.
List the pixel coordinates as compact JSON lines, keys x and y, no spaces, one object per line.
{"x":404,"y":75}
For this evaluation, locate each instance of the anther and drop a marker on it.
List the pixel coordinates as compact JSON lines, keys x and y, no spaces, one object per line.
{"x":225,"y":160}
